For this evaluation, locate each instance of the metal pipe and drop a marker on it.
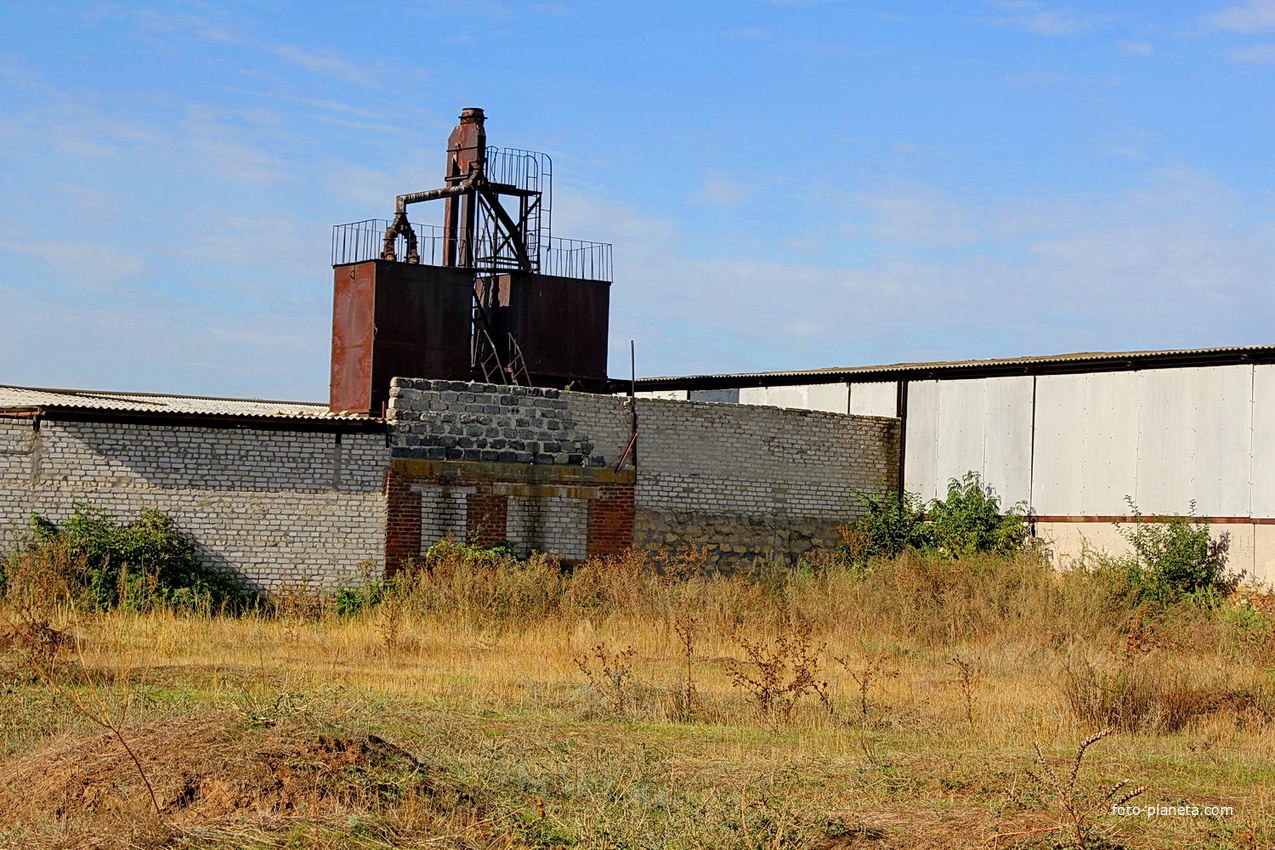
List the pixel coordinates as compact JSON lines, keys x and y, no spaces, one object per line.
{"x":469,"y":184}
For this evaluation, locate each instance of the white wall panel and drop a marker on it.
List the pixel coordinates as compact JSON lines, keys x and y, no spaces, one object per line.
{"x":1058,"y":464}
{"x":830,"y":397}
{"x":1193,"y":441}
{"x":922,"y":439}
{"x":981,"y":425}
{"x":1007,"y":438}
{"x":1223,"y":440}
{"x":1110,"y":424}
{"x":961,"y":430}
{"x":874,"y":399}
{"x":1262,"y":475}
{"x":1166,"y":458}
{"x":834,"y":398}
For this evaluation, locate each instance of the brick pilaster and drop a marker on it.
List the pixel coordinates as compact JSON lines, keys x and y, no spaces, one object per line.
{"x":485,"y":517}
{"x":402,"y":522}
{"x":611,"y":520}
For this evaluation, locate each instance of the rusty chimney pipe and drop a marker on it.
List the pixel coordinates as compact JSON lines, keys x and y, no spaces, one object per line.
{"x":466,"y":159}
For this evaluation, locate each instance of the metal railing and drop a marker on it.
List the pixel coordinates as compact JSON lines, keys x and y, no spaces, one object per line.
{"x":360,"y":241}
{"x":576,"y":258}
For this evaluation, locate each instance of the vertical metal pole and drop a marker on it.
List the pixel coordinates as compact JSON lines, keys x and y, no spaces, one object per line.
{"x":901,"y":413}
{"x":633,"y":399}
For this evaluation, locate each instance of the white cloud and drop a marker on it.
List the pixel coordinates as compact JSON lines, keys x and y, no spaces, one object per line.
{"x":329,"y":64}
{"x":203,"y":28}
{"x":1031,"y":17}
{"x":83,"y":265}
{"x":1136,"y":48}
{"x":221,"y":147}
{"x":725,"y":191}
{"x":1254,"y":54}
{"x":1251,"y":16}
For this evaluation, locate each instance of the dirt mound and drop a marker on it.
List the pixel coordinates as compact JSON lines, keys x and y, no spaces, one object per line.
{"x":204,"y":769}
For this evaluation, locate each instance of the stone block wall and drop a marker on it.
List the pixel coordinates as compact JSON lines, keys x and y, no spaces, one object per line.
{"x":280,"y":507}
{"x":453,"y":420}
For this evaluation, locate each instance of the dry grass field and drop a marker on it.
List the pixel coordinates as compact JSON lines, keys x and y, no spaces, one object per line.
{"x":636,"y":703}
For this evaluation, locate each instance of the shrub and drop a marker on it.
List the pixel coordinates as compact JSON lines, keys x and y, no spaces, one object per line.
{"x":1174,"y":558}
{"x":892,"y":524}
{"x":136,"y":564}
{"x":969,"y":520}
{"x":355,"y":600}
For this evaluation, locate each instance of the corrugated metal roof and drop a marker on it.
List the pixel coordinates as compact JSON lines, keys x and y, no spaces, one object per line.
{"x":1081,"y":361}
{"x":34,"y":398}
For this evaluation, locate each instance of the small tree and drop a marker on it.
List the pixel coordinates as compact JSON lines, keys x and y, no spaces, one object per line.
{"x":969,"y":520}
{"x":1175,"y":557}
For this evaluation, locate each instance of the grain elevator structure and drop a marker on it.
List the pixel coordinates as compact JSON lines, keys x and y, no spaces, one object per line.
{"x":488,"y":295}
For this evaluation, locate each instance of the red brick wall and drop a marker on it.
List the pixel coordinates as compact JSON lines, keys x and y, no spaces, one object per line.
{"x":402,"y":521}
{"x":611,"y":520}
{"x":485,"y":517}
{"x":609,"y":528}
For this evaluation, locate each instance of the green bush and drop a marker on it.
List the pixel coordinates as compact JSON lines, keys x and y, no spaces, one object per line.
{"x":137,"y":564}
{"x":970,"y":521}
{"x":355,"y":600}
{"x":1174,"y":558}
{"x":892,"y":524}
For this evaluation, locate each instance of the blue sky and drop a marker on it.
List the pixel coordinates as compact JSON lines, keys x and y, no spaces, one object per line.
{"x":788,"y":184}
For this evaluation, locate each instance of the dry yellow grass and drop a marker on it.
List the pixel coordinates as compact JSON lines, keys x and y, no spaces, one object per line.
{"x":490,"y":674}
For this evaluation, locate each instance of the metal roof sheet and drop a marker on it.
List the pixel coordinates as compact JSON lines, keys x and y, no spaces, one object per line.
{"x":29,"y":398}
{"x":1081,"y":360}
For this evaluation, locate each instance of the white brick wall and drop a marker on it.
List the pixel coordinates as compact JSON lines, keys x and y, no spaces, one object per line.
{"x":278,"y":507}
{"x":556,"y":525}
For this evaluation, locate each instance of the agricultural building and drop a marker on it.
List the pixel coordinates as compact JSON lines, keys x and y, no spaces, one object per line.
{"x":470,"y":399}
{"x":1067,"y":437}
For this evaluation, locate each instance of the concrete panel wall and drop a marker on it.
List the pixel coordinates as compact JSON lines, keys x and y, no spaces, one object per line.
{"x":984,"y":426}
{"x":1164,"y":438}
{"x":1262,"y":468}
{"x":719,"y":396}
{"x":1193,"y":440}
{"x":920,"y":473}
{"x":1087,"y":434}
{"x":833,"y":398}
{"x":874,"y":399}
